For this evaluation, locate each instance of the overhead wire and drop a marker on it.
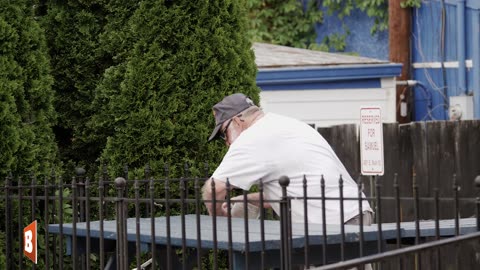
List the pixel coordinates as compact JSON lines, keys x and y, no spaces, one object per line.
{"x":443,"y":54}
{"x":442,"y":91}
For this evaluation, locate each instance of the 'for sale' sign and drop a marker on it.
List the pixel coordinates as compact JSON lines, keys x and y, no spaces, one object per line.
{"x":371,"y":141}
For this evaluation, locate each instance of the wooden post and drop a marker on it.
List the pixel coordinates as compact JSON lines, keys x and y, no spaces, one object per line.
{"x":399,"y":24}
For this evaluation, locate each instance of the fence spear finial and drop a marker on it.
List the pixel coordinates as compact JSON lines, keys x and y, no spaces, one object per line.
{"x":120,"y":182}
{"x":79,"y":171}
{"x":477,"y":181}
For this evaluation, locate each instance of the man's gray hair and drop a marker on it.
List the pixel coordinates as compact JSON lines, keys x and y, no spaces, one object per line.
{"x":249,"y":111}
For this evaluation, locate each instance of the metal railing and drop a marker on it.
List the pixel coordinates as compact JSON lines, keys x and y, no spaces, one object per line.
{"x":125,"y":224}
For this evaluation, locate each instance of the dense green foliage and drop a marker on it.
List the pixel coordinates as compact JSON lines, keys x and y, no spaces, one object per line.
{"x":26,"y":96}
{"x":283,"y":22}
{"x":144,"y":75}
{"x":293,"y":22}
{"x":411,"y":3}
{"x":377,"y":9}
{"x":73,"y":29}
{"x":96,"y":49}
{"x":185,"y":58}
{"x":27,"y":114}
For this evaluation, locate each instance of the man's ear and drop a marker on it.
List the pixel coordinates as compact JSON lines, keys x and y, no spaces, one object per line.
{"x":238,"y":120}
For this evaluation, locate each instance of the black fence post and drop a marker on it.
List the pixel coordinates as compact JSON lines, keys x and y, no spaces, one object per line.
{"x":80,"y":173}
{"x":137,"y":222}
{"x":477,"y":184}
{"x":120,"y":183}
{"x":80,"y":205}
{"x":46,"y":222}
{"x":324,"y":221}
{"x":33,"y":206}
{"x":342,"y":219}
{"x":284,"y":181}
{"x":152,"y":216}
{"x":305,"y":220}
{"x":87,"y":220}
{"x":20,"y":220}
{"x":8,"y":220}
{"x":101,"y":212}
{"x":75,"y":220}
{"x":60,"y":221}
{"x":214,"y":225}
{"x":167,"y":219}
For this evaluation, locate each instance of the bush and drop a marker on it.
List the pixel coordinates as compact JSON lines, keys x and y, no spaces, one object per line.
{"x":26,"y":95}
{"x":27,"y":143}
{"x":186,"y":56}
{"x":73,"y":30}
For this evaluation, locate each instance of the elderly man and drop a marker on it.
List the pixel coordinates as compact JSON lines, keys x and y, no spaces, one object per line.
{"x":267,"y":146}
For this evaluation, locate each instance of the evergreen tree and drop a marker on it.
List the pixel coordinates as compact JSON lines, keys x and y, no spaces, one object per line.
{"x":26,"y":97}
{"x":78,"y":61}
{"x":116,"y":41}
{"x":27,"y":142}
{"x":186,"y":56}
{"x":9,"y":119}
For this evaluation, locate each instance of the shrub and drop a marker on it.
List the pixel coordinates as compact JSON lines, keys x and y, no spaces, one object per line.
{"x":26,"y":95}
{"x":187,"y":55}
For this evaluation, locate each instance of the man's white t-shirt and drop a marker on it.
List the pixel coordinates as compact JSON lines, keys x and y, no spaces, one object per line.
{"x":276,"y":146}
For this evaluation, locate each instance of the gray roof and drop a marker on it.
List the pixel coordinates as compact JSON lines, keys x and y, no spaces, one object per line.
{"x":276,"y":56}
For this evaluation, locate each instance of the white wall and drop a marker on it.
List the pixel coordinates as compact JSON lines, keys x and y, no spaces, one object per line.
{"x":331,"y":107}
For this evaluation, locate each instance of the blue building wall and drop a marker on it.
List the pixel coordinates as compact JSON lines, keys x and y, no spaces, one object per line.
{"x":359,"y":40}
{"x":427,"y":47}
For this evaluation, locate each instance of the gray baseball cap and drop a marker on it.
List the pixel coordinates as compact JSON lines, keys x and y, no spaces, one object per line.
{"x":228,"y":108}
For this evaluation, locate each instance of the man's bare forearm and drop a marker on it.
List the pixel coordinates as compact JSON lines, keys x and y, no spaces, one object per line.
{"x":253,"y":198}
{"x":220,"y":192}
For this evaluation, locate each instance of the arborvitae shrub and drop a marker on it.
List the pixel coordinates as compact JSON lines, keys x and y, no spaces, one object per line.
{"x":27,"y":144}
{"x":187,"y":55}
{"x":73,"y":29}
{"x":26,"y":96}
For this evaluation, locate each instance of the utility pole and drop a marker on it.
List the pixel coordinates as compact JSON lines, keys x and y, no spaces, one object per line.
{"x":399,"y":27}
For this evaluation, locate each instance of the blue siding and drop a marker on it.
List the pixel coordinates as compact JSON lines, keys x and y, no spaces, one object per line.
{"x":359,"y":40}
{"x":426,"y":41}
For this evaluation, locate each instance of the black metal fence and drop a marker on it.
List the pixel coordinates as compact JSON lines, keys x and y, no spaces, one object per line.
{"x":162,"y":223}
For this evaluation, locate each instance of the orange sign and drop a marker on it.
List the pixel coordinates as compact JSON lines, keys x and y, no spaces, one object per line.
{"x":30,"y":241}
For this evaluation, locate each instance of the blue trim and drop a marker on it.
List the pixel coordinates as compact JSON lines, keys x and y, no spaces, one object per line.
{"x":473,"y":4}
{"x":476,"y":63}
{"x":317,"y":74}
{"x":331,"y":85}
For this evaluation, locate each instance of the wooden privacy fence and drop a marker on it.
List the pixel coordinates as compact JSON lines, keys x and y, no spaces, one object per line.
{"x":443,"y":157}
{"x":435,"y":152}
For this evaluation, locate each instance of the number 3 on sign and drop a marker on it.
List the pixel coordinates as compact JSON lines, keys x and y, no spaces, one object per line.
{"x":30,"y":241}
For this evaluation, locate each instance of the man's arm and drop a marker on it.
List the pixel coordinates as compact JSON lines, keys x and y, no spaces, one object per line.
{"x":220,"y":193}
{"x":253,"y":198}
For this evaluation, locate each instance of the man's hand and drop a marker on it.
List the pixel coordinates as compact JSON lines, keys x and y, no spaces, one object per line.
{"x":220,"y":193}
{"x":252,"y":198}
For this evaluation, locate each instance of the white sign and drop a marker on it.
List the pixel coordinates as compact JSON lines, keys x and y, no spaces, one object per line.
{"x":371,"y":141}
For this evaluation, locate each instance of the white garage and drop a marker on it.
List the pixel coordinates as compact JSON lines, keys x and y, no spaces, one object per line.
{"x":323,"y":89}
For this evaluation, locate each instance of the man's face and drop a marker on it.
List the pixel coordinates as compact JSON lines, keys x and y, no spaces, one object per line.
{"x":230,"y":131}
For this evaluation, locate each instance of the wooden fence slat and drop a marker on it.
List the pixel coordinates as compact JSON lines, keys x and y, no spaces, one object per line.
{"x":344,"y":141}
{"x":391,"y":159}
{"x":404,"y":169}
{"x":467,"y":150}
{"x":326,"y":133}
{"x":467,"y":160}
{"x":420,"y":150}
{"x":434,"y":150}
